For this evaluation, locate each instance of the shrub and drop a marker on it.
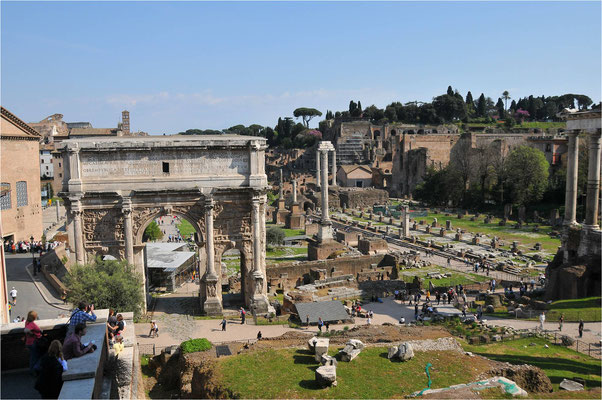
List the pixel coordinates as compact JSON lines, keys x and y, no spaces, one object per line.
{"x":345,"y":328}
{"x":195,"y":345}
{"x":106,"y":284}
{"x":275,"y":235}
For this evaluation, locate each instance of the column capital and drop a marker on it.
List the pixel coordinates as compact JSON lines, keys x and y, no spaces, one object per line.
{"x":209,"y":204}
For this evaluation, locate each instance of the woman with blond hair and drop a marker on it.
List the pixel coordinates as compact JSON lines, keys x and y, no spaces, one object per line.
{"x":52,"y":365}
{"x":32,"y":334}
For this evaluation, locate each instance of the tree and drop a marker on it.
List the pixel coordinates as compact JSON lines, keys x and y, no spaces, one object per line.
{"x":275,"y":235}
{"x":307,"y":114}
{"x":501,"y":111}
{"x":469,"y":100}
{"x":528,"y":172}
{"x":450,"y":91}
{"x":106,"y":284}
{"x":152,"y":232}
{"x":506,"y":97}
{"x":449,"y":107}
{"x":481,"y":106}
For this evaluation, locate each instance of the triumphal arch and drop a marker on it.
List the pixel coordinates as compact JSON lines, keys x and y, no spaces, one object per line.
{"x":114,"y":187}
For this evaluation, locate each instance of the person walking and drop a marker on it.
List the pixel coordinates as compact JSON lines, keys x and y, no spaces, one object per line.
{"x":307,"y":321}
{"x":320,"y":324}
{"x":243,"y":314}
{"x":542,"y":319}
{"x":416,"y":311}
{"x":13,"y":294}
{"x":560,"y":322}
{"x":223,"y":324}
{"x":580,"y":328}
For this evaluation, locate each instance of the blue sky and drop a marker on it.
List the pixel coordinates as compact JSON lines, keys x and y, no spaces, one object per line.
{"x":207,"y":65}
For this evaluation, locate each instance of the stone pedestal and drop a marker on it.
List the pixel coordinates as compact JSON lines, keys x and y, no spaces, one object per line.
{"x":260,"y":300}
{"x":317,"y":250}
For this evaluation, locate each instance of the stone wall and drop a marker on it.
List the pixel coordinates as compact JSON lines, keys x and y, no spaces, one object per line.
{"x":361,"y":198}
{"x":291,"y":275}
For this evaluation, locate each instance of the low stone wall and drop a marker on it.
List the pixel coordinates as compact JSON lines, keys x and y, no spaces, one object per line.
{"x":291,"y":275}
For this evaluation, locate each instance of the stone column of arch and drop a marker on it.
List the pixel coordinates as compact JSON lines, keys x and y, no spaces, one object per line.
{"x":213,"y":304}
{"x":324,"y":230}
{"x":593,"y":180}
{"x":260,"y":302}
{"x":78,"y":233}
{"x":126,"y":208}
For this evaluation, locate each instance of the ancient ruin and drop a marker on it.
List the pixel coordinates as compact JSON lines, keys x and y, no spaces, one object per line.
{"x":114,"y":187}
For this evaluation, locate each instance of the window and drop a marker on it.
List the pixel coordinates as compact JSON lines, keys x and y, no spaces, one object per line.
{"x":548,"y":147}
{"x":60,"y":175}
{"x":21,"y":193}
{"x":59,"y":165}
{"x":47,"y":168}
{"x":166,"y":167}
{"x":5,"y":196}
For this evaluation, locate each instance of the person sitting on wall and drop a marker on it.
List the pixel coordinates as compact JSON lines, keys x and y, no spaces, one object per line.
{"x":73,"y":346}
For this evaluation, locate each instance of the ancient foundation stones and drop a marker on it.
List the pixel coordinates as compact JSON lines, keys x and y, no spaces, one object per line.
{"x":571,"y":386}
{"x":328,"y":360}
{"x":392,"y":352}
{"x":326,"y":375}
{"x":320,"y":348}
{"x":403,"y":352}
{"x":351,"y":350}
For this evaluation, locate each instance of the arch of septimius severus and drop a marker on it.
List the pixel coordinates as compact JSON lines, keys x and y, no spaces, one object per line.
{"x":114,"y":187}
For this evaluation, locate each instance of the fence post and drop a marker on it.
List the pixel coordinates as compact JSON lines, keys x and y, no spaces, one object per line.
{"x":154,"y":354}
{"x":589,"y":349}
{"x":577,"y":345}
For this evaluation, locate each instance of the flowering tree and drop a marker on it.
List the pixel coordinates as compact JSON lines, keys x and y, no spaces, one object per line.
{"x":521,"y":114}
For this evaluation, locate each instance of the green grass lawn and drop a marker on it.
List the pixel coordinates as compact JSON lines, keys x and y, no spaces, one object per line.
{"x":588,"y":309}
{"x":525,"y":236}
{"x":370,"y":375}
{"x":185,"y":228}
{"x":457,"y":278}
{"x":557,"y":362}
{"x":287,"y":232}
{"x":276,"y":255}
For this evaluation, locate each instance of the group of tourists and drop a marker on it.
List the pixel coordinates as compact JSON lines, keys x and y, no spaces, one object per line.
{"x":48,"y":358}
{"x":484,"y":266}
{"x":25,"y":246}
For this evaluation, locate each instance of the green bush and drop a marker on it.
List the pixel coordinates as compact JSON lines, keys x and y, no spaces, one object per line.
{"x":195,"y":345}
{"x":106,"y":284}
{"x":275,"y":235}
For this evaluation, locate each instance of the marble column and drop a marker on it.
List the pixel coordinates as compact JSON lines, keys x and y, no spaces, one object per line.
{"x":406,"y":221}
{"x":593,"y":180}
{"x":281,"y":185}
{"x":318,"y":179}
{"x":56,"y":208}
{"x":128,"y":229}
{"x":260,"y":301}
{"x":78,"y":233}
{"x":334,"y":168}
{"x":570,"y":202}
{"x":213,"y":305}
{"x":294,"y":191}
{"x":324,"y":230}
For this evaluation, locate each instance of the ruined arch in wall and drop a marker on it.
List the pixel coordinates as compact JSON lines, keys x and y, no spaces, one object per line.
{"x":114,"y":188}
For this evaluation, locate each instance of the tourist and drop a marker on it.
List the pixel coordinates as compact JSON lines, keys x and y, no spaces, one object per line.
{"x":369,"y":321}
{"x":118,"y":346}
{"x":428,"y":295}
{"x":307,"y":320}
{"x":13,"y":294}
{"x":487,"y":269}
{"x":327,"y":325}
{"x":402,"y":321}
{"x":51,"y":367}
{"x":464,"y":308}
{"x":448,"y":261}
{"x":320,"y":324}
{"x":259,"y":335}
{"x":580,"y":328}
{"x":82,"y":313}
{"x":120,"y":325}
{"x":370,"y":314}
{"x":437,"y":297}
{"x":542,"y":319}
{"x":73,"y":346}
{"x":32,"y":334}
{"x":111,"y":324}
{"x":560,"y":322}
{"x":444,"y":297}
{"x":154,"y":329}
{"x":18,"y":319}
{"x":479,"y":312}
{"x":416,"y":311}
{"x":243,"y":313}
{"x":532,"y":284}
{"x":223,"y":324}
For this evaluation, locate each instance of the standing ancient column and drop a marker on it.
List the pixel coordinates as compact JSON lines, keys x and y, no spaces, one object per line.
{"x":58,"y":212}
{"x":318,"y":180}
{"x":212,"y":304}
{"x":406,"y":221}
{"x":325,"y":216}
{"x":78,"y":233}
{"x":593,"y":180}
{"x":334,"y":168}
{"x":128,"y":229}
{"x":294,"y":191}
{"x":570,"y":202}
{"x":281,"y":184}
{"x":259,"y":301}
